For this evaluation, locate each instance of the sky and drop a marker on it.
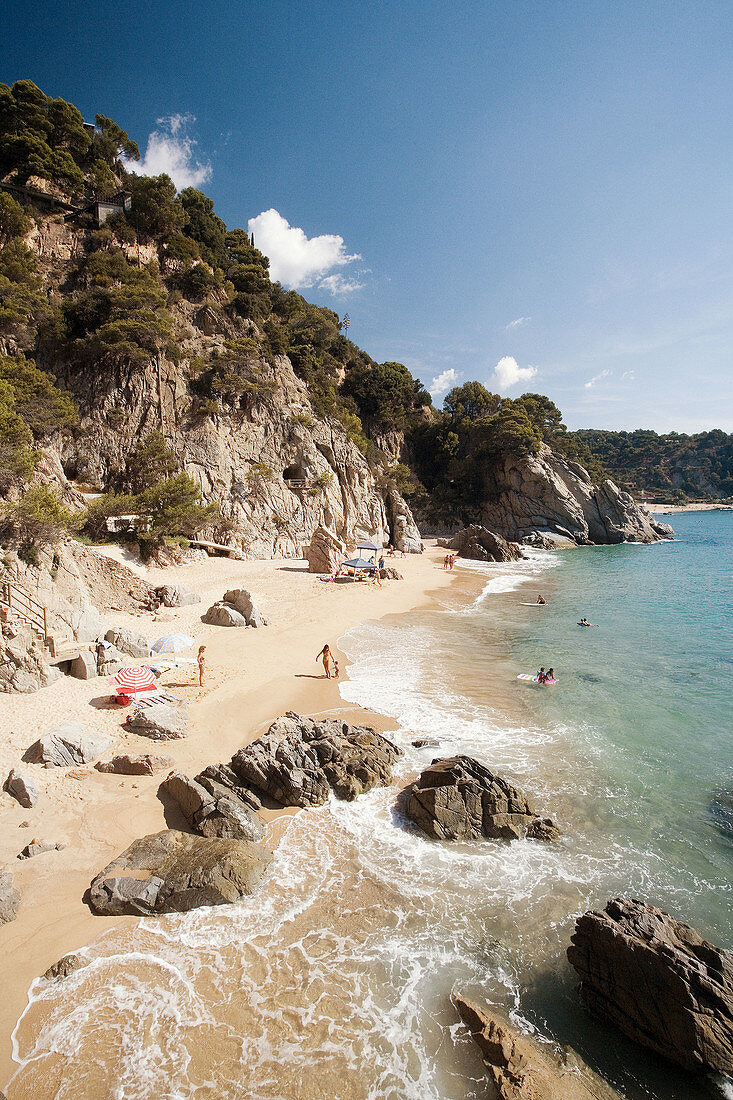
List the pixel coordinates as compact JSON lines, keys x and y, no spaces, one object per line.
{"x":532,"y":193}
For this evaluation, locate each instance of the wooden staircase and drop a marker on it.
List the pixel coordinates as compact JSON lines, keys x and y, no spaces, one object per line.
{"x":18,"y":605}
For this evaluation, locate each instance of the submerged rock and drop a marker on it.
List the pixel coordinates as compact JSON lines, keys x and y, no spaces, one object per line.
{"x":460,"y":799}
{"x":65,"y":966}
{"x":659,"y":981}
{"x":523,"y":1069}
{"x":69,"y":744}
{"x":172,"y":872}
{"x":299,"y":761}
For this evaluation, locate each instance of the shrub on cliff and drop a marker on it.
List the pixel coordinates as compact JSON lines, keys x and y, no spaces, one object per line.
{"x":31,"y":407}
{"x":37,"y":519}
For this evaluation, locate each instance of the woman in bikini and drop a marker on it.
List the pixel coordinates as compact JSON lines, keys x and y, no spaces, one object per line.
{"x":325,"y":654}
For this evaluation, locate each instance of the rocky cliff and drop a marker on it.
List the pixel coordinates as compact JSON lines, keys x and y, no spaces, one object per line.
{"x":550,"y":499}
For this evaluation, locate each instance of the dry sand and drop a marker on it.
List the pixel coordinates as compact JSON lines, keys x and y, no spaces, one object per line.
{"x":253,"y":676}
{"x":666,"y":509}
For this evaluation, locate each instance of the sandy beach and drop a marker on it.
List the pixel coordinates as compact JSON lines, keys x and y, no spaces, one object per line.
{"x":670,"y":509}
{"x":253,"y":676}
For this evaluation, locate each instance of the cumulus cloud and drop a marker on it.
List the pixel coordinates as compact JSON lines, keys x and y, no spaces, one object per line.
{"x":299,"y":261}
{"x":516,"y":323}
{"x":508,"y":373}
{"x":170,"y":149}
{"x":443,"y":382}
{"x":628,"y":376}
{"x":596,"y":378}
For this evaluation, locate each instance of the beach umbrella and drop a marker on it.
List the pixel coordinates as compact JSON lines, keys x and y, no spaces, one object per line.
{"x":129,"y":681}
{"x":366,"y":545}
{"x":172,"y":643}
{"x":359,"y":563}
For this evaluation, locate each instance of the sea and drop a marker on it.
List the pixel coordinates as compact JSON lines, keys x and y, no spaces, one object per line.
{"x":335,"y":980}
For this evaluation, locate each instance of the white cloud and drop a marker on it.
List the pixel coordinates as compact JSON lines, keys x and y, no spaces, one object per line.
{"x":171,"y":150}
{"x":596,"y":378}
{"x":508,"y":373}
{"x":519,"y":321}
{"x":299,"y":261}
{"x":443,"y":382}
{"x":340,"y":285}
{"x":628,"y":376}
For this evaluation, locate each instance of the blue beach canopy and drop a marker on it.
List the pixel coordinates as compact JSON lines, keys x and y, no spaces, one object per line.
{"x":359,"y":563}
{"x":366,"y":545}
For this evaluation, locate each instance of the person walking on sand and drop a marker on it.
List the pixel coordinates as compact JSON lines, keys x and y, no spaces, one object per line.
{"x":325,"y":654}
{"x":201,"y":662}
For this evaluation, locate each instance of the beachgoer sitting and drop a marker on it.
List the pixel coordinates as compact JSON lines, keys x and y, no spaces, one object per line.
{"x":550,"y":674}
{"x":541,"y":599}
{"x":583,"y":622}
{"x":541,"y":675}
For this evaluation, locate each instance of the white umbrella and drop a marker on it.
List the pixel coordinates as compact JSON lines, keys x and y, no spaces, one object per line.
{"x":172,"y":643}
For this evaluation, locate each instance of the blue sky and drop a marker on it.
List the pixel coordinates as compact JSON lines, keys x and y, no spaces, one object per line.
{"x":538,"y":187}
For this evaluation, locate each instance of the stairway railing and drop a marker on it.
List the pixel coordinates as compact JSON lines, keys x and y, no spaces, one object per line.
{"x":21,"y":603}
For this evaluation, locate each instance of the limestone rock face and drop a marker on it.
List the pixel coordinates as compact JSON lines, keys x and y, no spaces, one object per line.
{"x":548,"y":495}
{"x":523,"y":1069}
{"x":326,"y":551}
{"x":128,"y":641}
{"x":404,"y":532}
{"x":9,"y":898}
{"x":299,"y":761}
{"x":143,"y":763}
{"x":659,"y":981}
{"x":69,"y":744}
{"x":161,"y":722}
{"x":478,"y":544}
{"x":24,"y":667}
{"x":460,"y":799}
{"x":212,"y":814}
{"x":22,"y":788}
{"x":172,"y":872}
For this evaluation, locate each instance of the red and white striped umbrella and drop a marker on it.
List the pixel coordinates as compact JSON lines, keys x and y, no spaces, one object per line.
{"x":128,"y":681}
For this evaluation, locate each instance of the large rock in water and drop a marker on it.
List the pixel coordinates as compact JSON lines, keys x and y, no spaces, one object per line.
{"x":460,"y":799}
{"x":210,"y":813}
{"x":523,"y":1069}
{"x":659,"y":981}
{"x":69,"y":744}
{"x":299,"y":761}
{"x":326,"y":551}
{"x":478,"y":544}
{"x":172,"y":872}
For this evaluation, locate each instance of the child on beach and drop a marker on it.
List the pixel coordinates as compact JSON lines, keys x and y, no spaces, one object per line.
{"x":201,"y":662}
{"x":336,"y":669}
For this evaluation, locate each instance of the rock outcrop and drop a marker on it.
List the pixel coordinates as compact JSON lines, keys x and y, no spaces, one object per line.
{"x":69,"y":744}
{"x":210,"y":812}
{"x":478,"y":544}
{"x":548,"y":495}
{"x":523,"y":1069}
{"x":235,"y":608}
{"x":24,"y":666}
{"x":176,"y":595}
{"x":37,"y":847}
{"x":129,"y":642}
{"x":326,"y":551}
{"x":161,"y":722}
{"x":460,"y":799}
{"x":22,"y":788}
{"x":659,"y":981}
{"x":173,"y":872}
{"x":143,"y":763}
{"x":65,"y":966}
{"x":9,"y":898}
{"x":299,"y":761}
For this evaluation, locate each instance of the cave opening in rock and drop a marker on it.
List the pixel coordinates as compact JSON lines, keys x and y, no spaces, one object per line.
{"x":294,"y":476}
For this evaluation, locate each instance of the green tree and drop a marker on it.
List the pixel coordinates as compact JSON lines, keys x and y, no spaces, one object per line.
{"x":471,"y":401}
{"x":37,"y":519}
{"x":203,"y":226}
{"x":175,"y":507}
{"x":155,"y":211}
{"x":14,"y":222}
{"x":111,"y":143}
{"x":150,"y":462}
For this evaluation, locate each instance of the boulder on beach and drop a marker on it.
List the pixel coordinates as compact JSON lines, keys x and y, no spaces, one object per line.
{"x":479,"y":544}
{"x":221,"y":614}
{"x":235,"y":608}
{"x":84,"y":666}
{"x":69,"y":744}
{"x":221,"y":780}
{"x":175,"y":595}
{"x":9,"y":898}
{"x":22,"y":788}
{"x":520,"y":1068}
{"x":142,"y":763}
{"x":173,"y":872}
{"x":161,"y":722}
{"x":24,"y":666}
{"x":38,"y":847}
{"x":659,"y":981}
{"x":129,"y":642}
{"x":299,"y":761}
{"x":65,"y":966}
{"x":460,"y":799}
{"x":210,"y":813}
{"x":326,"y":551}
